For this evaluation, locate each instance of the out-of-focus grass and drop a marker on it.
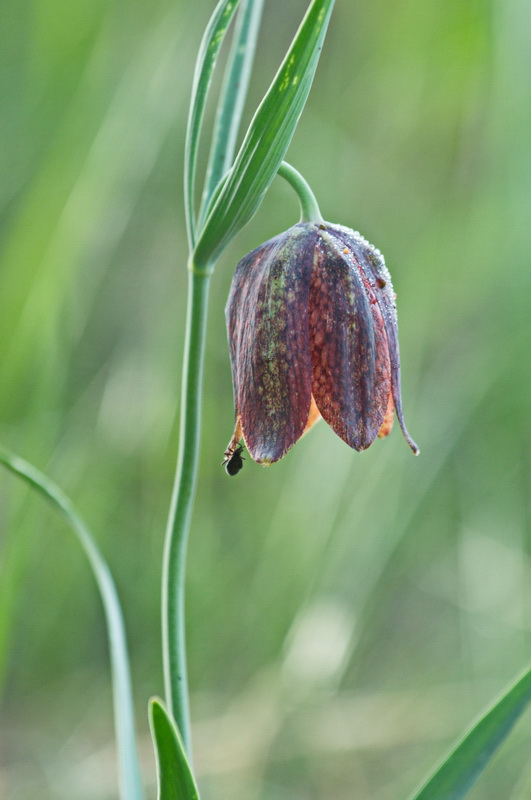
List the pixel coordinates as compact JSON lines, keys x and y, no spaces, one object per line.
{"x":348,"y":615}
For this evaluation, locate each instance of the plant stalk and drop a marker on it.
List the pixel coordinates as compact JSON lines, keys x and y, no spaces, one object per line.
{"x":309,"y":207}
{"x":174,"y":563}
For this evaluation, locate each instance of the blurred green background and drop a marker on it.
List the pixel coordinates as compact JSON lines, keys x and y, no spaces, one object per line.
{"x":349,"y":614}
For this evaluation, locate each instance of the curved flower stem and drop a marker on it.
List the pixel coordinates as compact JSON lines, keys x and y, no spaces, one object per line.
{"x":309,"y":208}
{"x":173,"y":577}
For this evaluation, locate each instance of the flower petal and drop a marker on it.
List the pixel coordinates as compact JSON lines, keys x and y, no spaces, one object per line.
{"x":267,"y":320}
{"x":373,"y":264}
{"x":351,"y":379}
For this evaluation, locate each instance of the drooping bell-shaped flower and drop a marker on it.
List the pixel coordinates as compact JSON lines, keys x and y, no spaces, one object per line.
{"x":313,"y":332}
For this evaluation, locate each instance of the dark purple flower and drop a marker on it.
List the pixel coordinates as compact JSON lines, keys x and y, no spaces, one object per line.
{"x":313,"y":331}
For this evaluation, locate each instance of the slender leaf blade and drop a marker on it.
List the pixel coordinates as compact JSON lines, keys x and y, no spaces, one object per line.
{"x":124,"y":717}
{"x":268,"y":137}
{"x":174,"y":774}
{"x":232,"y":98}
{"x":462,"y":767}
{"x":206,"y":61}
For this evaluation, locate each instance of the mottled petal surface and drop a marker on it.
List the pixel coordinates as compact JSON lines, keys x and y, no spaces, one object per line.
{"x":373,"y":264}
{"x":351,"y":379}
{"x":267,"y":321}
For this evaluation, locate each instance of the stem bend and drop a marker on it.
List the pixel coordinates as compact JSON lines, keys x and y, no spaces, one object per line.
{"x":309,"y":207}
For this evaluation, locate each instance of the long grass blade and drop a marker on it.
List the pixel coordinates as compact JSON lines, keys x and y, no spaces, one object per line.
{"x":267,"y":138}
{"x":129,"y":771}
{"x":206,"y":61}
{"x":463,"y":766}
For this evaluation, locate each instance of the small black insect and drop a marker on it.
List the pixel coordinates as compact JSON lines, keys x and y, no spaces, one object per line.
{"x":234,"y":461}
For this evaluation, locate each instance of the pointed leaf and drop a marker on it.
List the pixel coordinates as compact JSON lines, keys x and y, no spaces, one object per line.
{"x":267,"y":138}
{"x":232,"y":97}
{"x":463,"y":766}
{"x":174,"y":774}
{"x":206,"y":61}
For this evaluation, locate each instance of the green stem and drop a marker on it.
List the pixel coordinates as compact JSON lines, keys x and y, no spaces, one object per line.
{"x":309,"y":207}
{"x":173,"y":577}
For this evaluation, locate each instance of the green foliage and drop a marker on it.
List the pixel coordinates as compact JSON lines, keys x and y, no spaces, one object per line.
{"x":462,"y":768}
{"x":267,"y":138}
{"x":232,"y":97}
{"x":129,"y":772}
{"x":206,"y":61}
{"x":175,"y":779}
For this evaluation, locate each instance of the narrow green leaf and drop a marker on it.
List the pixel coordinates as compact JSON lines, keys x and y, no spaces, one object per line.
{"x":175,"y":778}
{"x":206,"y":61}
{"x":232,"y":97}
{"x":267,"y":138}
{"x":130,"y":782}
{"x":463,"y":766}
